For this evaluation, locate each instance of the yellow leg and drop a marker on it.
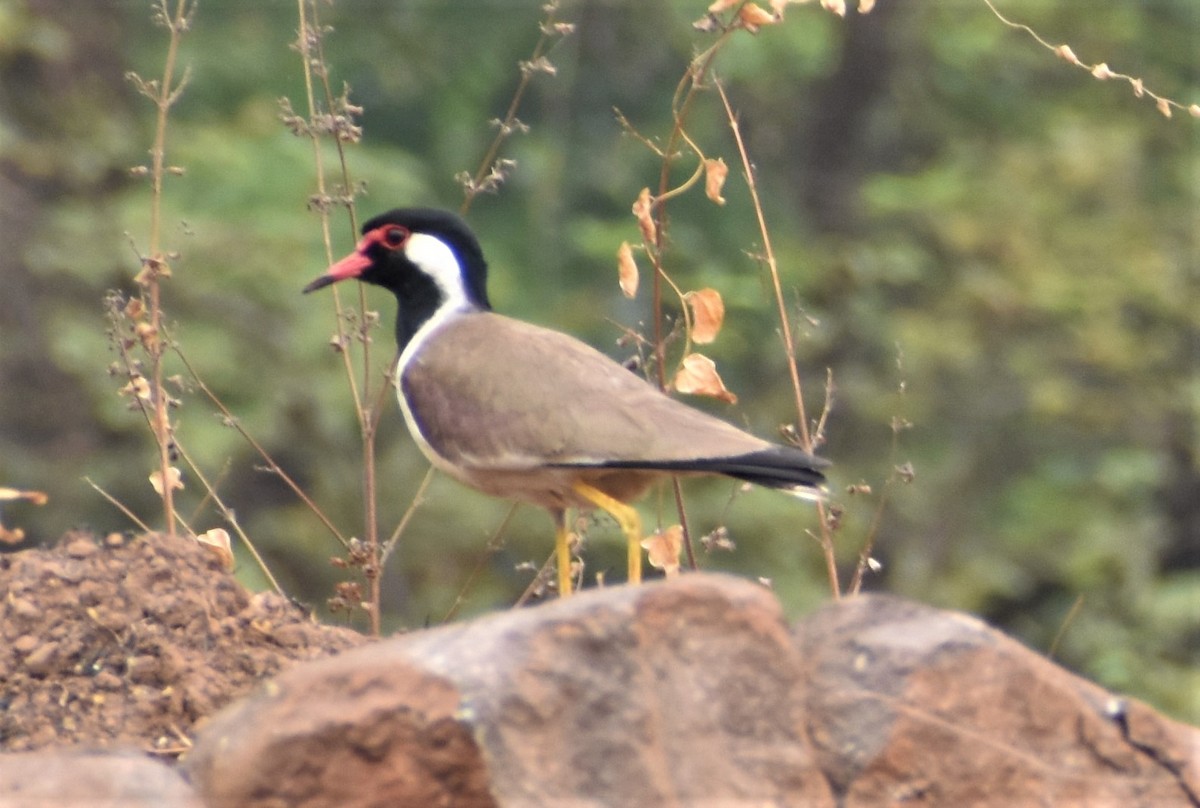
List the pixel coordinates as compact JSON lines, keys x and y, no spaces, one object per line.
{"x":627,"y":518}
{"x":562,"y":552}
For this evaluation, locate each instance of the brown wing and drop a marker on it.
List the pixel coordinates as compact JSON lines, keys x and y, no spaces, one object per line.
{"x":490,"y":392}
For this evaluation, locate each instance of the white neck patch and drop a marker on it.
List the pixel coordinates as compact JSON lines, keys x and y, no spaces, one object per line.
{"x":432,"y":256}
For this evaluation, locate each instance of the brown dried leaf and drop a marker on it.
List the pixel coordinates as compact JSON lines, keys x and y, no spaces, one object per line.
{"x":173,"y":476}
{"x":698,"y":375}
{"x":708,"y":313}
{"x":1102,"y":72}
{"x":754,"y":16}
{"x":217,"y":542}
{"x":1164,"y":106}
{"x":153,"y":267}
{"x":838,"y":7}
{"x":642,"y":209}
{"x":135,"y":309}
{"x":14,"y":536}
{"x":138,"y":386}
{"x":715,"y":172}
{"x":36,"y":497}
{"x":663,"y":549}
{"x":148,"y":335}
{"x":627,"y":270}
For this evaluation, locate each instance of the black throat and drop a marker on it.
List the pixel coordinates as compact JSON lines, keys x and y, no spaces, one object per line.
{"x":418,"y":298}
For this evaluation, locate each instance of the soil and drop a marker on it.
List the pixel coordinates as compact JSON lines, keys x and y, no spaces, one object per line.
{"x":120,"y":641}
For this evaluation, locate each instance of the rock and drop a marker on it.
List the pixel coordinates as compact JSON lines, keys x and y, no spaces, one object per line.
{"x":911,"y":705}
{"x":74,"y":779}
{"x":690,"y":692}
{"x":681,"y":693}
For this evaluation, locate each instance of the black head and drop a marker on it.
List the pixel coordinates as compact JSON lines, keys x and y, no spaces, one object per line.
{"x":428,"y":258}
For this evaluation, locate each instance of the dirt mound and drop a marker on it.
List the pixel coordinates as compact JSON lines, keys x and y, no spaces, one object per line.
{"x":131,"y":642}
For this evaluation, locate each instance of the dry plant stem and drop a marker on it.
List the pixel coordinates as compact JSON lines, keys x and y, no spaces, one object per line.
{"x":369,"y":417}
{"x":312,"y":53}
{"x":688,"y":87}
{"x":818,"y":433}
{"x":210,"y":489}
{"x":274,"y":467}
{"x":131,"y":372}
{"x":864,"y":555}
{"x":306,"y":41}
{"x":230,"y":518}
{"x":116,"y":503}
{"x":473,"y":188}
{"x":120,"y":506}
{"x":373,"y":569}
{"x":166,"y":96}
{"x":494,"y":544}
{"x":418,"y":499}
{"x":677,"y":490}
{"x":542,"y":574}
{"x":773,"y":268}
{"x":826,"y":536}
{"x":330,"y":104}
{"x":1072,"y":613}
{"x":1100,"y":70}
{"x":696,"y":71}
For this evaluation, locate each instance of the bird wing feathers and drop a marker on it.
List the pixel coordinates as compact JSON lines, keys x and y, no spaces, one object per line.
{"x":490,"y":392}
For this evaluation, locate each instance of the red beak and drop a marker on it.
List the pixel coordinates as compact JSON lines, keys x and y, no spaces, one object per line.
{"x":351,"y":266}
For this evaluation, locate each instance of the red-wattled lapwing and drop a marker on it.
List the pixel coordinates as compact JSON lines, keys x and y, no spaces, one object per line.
{"x":530,"y":414}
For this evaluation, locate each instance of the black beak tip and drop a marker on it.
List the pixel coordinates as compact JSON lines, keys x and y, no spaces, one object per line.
{"x":319,"y":283}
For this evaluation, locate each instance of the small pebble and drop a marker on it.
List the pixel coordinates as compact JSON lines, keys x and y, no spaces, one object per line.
{"x":19,"y":607}
{"x":81,"y":548}
{"x":143,"y":669}
{"x":41,"y":661}
{"x":107,"y":680}
{"x":25,"y":644}
{"x":291,"y":635}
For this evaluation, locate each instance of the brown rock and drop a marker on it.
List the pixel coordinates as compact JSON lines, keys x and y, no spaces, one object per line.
{"x":88,"y":779}
{"x":371,"y":732}
{"x":915,"y":706}
{"x":685,"y":693}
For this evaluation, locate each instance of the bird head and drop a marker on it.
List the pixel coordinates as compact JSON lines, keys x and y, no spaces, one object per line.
{"x":427,"y":258}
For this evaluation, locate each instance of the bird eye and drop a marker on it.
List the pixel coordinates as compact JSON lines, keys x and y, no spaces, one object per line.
{"x":393,"y":237}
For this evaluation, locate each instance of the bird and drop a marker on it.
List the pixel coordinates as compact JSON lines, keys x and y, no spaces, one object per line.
{"x":527,"y":413}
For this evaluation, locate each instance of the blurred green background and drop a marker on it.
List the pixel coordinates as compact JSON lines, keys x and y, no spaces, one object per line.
{"x":974,"y":237}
